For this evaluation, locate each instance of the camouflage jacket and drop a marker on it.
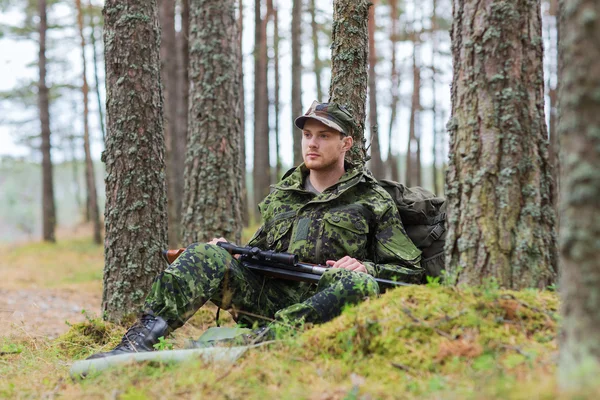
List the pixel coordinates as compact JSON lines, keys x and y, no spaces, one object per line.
{"x":355,"y":217}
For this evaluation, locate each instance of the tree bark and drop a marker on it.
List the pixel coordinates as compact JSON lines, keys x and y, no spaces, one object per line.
{"x":499,"y":185}
{"x":90,"y":177}
{"x":244,"y":196}
{"x":434,"y":114}
{"x":262,"y":168}
{"x":48,"y":208}
{"x":96,"y":78}
{"x":276,"y":88}
{"x":297,"y":77}
{"x":183,"y":89}
{"x":413,"y":154}
{"x":376,"y":165}
{"x":169,"y":77}
{"x":212,"y":171}
{"x":136,"y":203}
{"x":392,"y":160}
{"x":317,"y":64}
{"x":578,"y":130}
{"x":349,"y":76}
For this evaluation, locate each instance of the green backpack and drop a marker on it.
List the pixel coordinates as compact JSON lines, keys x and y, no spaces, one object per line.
{"x":424,"y":218}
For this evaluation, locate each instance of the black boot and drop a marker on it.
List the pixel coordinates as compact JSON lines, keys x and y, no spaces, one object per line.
{"x":142,"y":336}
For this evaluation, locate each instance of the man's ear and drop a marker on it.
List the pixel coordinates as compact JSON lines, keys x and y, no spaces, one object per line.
{"x":348,"y":142}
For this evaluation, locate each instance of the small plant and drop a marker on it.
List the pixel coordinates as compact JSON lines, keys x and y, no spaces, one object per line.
{"x":163,"y":344}
{"x":434,"y":282}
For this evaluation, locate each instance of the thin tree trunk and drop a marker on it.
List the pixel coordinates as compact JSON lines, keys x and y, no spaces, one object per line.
{"x":413,"y":154}
{"x":349,"y":76}
{"x":578,"y":128}
{"x":212,"y":174}
{"x":553,"y":106}
{"x":376,"y":164}
{"x":434,"y":114}
{"x":317,"y":64}
{"x":136,"y":202}
{"x":169,"y":67}
{"x":297,"y":77}
{"x":48,"y":208}
{"x":262,"y":168}
{"x":278,"y":167}
{"x":179,"y":145}
{"x":392,"y":161}
{"x":499,"y":187}
{"x":96,"y":78}
{"x":89,"y":164}
{"x":75,"y":168}
{"x":244,"y":195}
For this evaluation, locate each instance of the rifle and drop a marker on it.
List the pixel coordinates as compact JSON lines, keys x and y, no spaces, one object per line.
{"x":277,"y":265}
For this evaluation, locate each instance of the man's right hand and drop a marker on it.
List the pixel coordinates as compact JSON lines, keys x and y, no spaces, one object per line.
{"x":217,"y":240}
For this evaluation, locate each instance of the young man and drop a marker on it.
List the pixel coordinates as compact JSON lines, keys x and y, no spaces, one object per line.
{"x":327,"y":212}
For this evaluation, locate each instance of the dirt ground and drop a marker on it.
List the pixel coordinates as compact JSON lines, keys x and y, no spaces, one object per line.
{"x":44,"y":312}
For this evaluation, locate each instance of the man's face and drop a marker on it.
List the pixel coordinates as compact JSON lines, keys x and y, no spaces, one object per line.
{"x":323,"y":147}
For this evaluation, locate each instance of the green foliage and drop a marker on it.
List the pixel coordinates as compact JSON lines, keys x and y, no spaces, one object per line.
{"x":163,"y":344}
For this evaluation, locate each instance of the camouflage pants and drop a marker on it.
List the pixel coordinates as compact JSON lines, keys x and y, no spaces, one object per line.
{"x":207,"y":272}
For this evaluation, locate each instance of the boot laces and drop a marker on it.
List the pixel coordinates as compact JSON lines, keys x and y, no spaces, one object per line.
{"x":131,"y":339}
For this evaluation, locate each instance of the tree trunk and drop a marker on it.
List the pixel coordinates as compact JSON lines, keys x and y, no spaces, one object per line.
{"x":317,"y":65}
{"x":136,"y":203}
{"x":434,"y":114}
{"x":212,"y":171}
{"x":96,"y":62}
{"x":183,"y":89}
{"x":297,"y":77}
{"x":75,"y":167}
{"x":553,"y":105}
{"x":48,"y":209}
{"x":413,"y":153}
{"x":499,"y":190}
{"x":349,"y":56}
{"x":276,"y":88}
{"x":578,"y":130}
{"x":376,"y":165}
{"x":90,"y":177}
{"x":392,"y":161}
{"x":262,"y":169}
{"x":169,"y":77}
{"x":244,"y":201}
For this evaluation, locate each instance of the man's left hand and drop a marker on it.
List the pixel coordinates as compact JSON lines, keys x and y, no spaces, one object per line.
{"x":347,"y":262}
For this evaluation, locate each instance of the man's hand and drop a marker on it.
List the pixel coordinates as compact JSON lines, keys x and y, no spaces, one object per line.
{"x":217,"y":240}
{"x":347,"y":262}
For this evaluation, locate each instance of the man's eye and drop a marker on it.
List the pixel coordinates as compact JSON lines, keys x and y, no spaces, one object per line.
{"x":323,"y":136}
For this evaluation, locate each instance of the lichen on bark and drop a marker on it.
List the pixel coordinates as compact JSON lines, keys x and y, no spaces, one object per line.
{"x":499,"y":183}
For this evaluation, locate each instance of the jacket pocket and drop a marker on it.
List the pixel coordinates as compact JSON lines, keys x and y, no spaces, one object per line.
{"x":344,"y":234}
{"x":278,"y":232}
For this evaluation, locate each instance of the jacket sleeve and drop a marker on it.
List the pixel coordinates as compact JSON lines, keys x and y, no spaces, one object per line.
{"x":394,"y":256}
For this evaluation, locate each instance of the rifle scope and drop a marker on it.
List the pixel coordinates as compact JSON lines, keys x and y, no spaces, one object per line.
{"x":260,"y":255}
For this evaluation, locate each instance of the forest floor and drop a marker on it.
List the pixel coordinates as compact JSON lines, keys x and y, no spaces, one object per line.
{"x":419,"y":342}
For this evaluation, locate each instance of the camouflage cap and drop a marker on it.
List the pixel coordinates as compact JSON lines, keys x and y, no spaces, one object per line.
{"x":331,"y":114}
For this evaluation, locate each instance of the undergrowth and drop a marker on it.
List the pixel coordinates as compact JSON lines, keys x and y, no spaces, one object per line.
{"x":415,"y":342}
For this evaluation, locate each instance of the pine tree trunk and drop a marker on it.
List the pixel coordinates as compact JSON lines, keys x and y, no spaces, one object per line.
{"x":183,"y":89}
{"x":392,"y":161}
{"x":48,"y":208}
{"x":244,"y":195}
{"x":499,"y":187}
{"x":297,"y":77}
{"x":276,"y":90}
{"x":75,"y":168}
{"x":136,"y":203}
{"x":262,"y":169}
{"x":434,"y":113}
{"x":96,"y":62}
{"x":90,"y":179}
{"x":578,"y":130}
{"x":413,"y":154}
{"x":213,"y":179}
{"x":349,"y":56}
{"x":376,"y":165}
{"x":169,"y":77}
{"x":317,"y":64}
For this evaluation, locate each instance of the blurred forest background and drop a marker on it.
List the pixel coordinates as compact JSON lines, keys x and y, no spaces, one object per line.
{"x":286,"y":65}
